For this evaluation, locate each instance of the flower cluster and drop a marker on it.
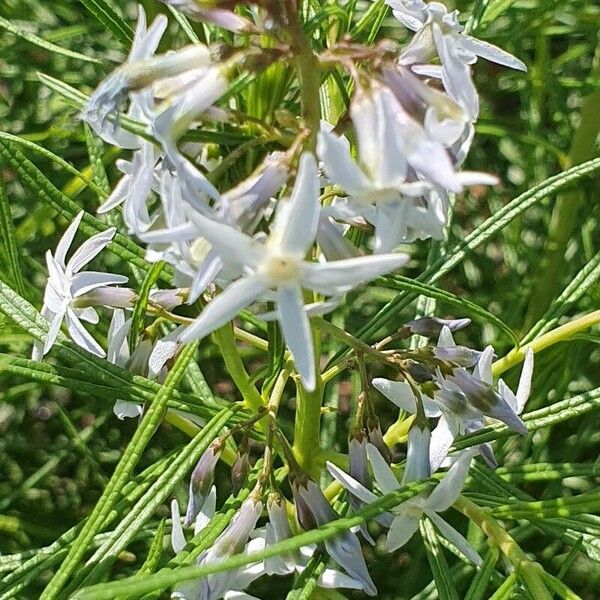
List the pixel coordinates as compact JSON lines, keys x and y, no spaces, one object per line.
{"x":324,"y":212}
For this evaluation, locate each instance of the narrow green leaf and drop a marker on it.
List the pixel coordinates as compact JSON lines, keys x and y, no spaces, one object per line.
{"x":496,"y":8}
{"x":570,"y":559}
{"x":476,"y":14}
{"x":185,"y":24}
{"x":481,"y":582}
{"x":439,"y":567}
{"x":38,"y":41}
{"x":100,"y":192}
{"x":557,"y":586}
{"x":102,"y":387}
{"x":10,"y":251}
{"x":155,"y":551}
{"x":577,"y":288}
{"x":145,"y":507}
{"x":505,"y":591}
{"x":30,"y":570}
{"x":94,"y":148}
{"x":139,"y":310}
{"x":307,"y":581}
{"x":463,"y":306}
{"x":103,"y":11}
{"x":96,"y":521}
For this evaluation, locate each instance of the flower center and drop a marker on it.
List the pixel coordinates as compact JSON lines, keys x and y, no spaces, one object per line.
{"x":281,"y":269}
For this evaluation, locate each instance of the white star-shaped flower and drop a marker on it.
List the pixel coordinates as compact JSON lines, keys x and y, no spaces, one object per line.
{"x":278,"y":269}
{"x":67,"y":284}
{"x":438,"y":33}
{"x":407,"y":515}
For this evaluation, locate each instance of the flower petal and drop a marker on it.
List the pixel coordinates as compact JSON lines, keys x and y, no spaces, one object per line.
{"x":442,"y":438}
{"x":454,"y":537}
{"x":483,"y":368}
{"x":339,"y":166}
{"x":90,"y":249}
{"x":353,"y":486}
{"x":82,"y":283}
{"x":225,"y":307}
{"x":127,"y":410}
{"x":178,"y":541}
{"x":401,"y":394}
{"x":330,"y":578}
{"x":297,"y":334}
{"x":57,"y":319}
{"x":67,"y":239}
{"x":342,"y":275}
{"x":445,"y":340}
{"x":296,"y":220}
{"x":448,"y":490}
{"x":80,"y":335}
{"x":492,"y":53}
{"x":118,"y":348}
{"x":524,"y":388}
{"x":232,"y":245}
{"x":402,"y":529}
{"x":383,"y":474}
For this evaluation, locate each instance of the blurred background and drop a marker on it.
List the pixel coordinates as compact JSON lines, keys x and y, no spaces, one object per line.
{"x":57,"y":448}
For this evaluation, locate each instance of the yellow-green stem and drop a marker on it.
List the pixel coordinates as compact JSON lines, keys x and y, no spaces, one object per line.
{"x":307,"y":422}
{"x":225,"y":339}
{"x":186,"y":426}
{"x":562,"y":333}
{"x":531,"y":573}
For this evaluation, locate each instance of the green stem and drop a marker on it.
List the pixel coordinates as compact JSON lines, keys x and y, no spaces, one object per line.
{"x":225,"y":339}
{"x":530,"y":573}
{"x":307,"y":423}
{"x":560,"y":334}
{"x":309,"y":74}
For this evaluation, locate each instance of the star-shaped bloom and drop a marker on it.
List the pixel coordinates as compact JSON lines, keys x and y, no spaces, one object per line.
{"x":182,"y":245}
{"x":398,"y":183}
{"x":67,"y":285}
{"x":439,"y":34}
{"x":407,"y":515}
{"x":463,"y":399}
{"x":278,"y":269}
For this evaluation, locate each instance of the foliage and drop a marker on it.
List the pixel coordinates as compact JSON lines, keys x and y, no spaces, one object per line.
{"x":84,"y":497}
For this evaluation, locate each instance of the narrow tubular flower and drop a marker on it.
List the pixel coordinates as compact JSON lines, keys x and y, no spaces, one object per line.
{"x":232,"y":541}
{"x":313,"y":510}
{"x":202,"y":480}
{"x":67,"y":286}
{"x":278,"y":530}
{"x":279,"y":266}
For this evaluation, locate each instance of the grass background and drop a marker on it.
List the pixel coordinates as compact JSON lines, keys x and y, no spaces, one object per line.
{"x":59,"y":447}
